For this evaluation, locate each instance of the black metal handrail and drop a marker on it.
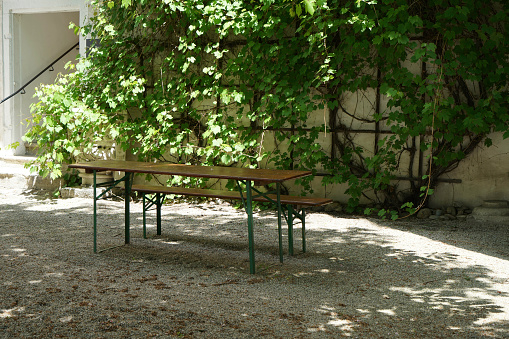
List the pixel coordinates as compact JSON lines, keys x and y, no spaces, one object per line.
{"x":22,"y":88}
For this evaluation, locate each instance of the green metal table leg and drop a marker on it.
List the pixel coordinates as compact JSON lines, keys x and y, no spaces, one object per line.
{"x":144,"y":218}
{"x":95,"y":211}
{"x":127,"y":207}
{"x":303,"y":231}
{"x":250,"y":234}
{"x":279,"y":211}
{"x":290,"y":229}
{"x":158,"y":212}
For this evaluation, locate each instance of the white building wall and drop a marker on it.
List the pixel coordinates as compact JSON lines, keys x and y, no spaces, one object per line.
{"x":36,"y":49}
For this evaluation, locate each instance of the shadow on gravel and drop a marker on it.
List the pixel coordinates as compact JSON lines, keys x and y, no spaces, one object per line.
{"x":423,"y":280}
{"x":359,"y":278}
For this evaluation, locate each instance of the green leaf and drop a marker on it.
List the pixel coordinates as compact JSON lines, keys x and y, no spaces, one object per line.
{"x":215,"y":129}
{"x":298,"y":10}
{"x":310,"y":6}
{"x":217,"y":142}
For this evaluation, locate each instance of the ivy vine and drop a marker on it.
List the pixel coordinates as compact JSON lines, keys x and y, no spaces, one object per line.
{"x":240,"y":83}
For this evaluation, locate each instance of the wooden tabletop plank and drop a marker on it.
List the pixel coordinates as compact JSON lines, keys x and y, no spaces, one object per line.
{"x":218,"y":172}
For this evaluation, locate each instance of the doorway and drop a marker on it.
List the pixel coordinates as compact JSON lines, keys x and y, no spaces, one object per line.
{"x":39,"y":39}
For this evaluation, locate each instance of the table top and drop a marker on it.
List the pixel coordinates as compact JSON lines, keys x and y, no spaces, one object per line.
{"x":218,"y":172}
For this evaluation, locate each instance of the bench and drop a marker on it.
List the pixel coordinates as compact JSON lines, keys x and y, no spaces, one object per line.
{"x":292,"y":206}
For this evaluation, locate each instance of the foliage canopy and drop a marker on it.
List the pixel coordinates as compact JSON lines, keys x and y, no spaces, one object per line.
{"x":211,"y":82}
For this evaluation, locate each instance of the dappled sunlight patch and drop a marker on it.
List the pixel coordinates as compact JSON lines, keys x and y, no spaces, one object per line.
{"x":343,"y":324}
{"x":360,"y":236}
{"x":168,"y":242}
{"x":302,"y":274}
{"x":9,"y":313}
{"x":197,"y":230}
{"x":454,"y":297}
{"x":37,"y":208}
{"x":493,"y":318}
{"x":61,"y":213}
{"x":319,"y":328}
{"x":497,"y":297}
{"x":223,"y":234}
{"x":337,"y":320}
{"x":443,"y":296}
{"x":323,"y":222}
{"x":335,"y":240}
{"x":390,"y":312}
{"x":396,"y":255}
{"x":19,"y":250}
{"x":316,"y":272}
{"x":66,"y":319}
{"x":54,"y":274}
{"x":270,"y":217}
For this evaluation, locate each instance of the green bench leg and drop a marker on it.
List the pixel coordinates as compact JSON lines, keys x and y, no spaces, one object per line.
{"x":290,"y":229}
{"x":279,"y":211}
{"x":95,"y":211}
{"x":302,"y":217}
{"x":144,"y":218}
{"x":250,"y":233}
{"x":147,"y":203}
{"x":127,"y":191}
{"x":158,"y":208}
{"x":127,"y":179}
{"x":303,"y":231}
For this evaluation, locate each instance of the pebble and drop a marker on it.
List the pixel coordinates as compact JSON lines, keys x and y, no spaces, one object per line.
{"x":447,"y":217}
{"x":424,"y":213}
{"x":334,"y":207}
{"x":451,"y":210}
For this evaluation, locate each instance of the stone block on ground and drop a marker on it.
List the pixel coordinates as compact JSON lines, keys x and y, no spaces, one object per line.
{"x":492,"y":210}
{"x":424,"y":213}
{"x":47,"y":184}
{"x":451,"y":210}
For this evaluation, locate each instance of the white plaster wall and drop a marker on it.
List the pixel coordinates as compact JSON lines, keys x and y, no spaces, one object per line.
{"x":484,"y":176}
{"x":36,"y":48}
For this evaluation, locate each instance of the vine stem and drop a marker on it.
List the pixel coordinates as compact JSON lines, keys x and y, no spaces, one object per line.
{"x":428,"y":186}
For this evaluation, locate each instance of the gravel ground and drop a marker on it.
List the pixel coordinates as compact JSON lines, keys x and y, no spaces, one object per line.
{"x":360,"y":278}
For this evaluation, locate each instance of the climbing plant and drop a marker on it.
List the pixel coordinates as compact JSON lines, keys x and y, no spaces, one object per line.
{"x":243,"y":82}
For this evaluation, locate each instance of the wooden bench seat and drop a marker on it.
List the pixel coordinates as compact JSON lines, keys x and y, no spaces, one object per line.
{"x":234,"y":195}
{"x":292,"y":205}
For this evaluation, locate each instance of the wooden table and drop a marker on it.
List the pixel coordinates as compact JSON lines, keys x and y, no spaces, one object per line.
{"x":246,"y":178}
